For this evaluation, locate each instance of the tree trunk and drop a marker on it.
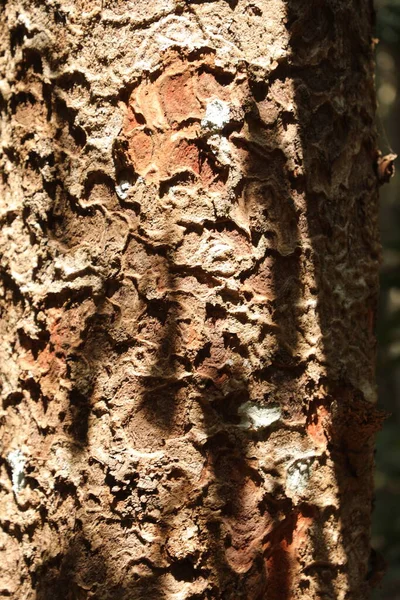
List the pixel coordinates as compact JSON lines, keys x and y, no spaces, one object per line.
{"x":189,"y":259}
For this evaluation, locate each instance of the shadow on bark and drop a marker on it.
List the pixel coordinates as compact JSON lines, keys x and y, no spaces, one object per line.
{"x":330,"y":65}
{"x":219,"y":388}
{"x":249,"y":564}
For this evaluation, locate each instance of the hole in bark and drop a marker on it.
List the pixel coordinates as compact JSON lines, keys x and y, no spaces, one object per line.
{"x":68,"y":81}
{"x":31,"y":481}
{"x":182,"y":124}
{"x":232,"y":341}
{"x":187,"y":364}
{"x":31,"y":58}
{"x":222,"y":225}
{"x":94,"y":498}
{"x":228,"y":407}
{"x":176,"y":473}
{"x":64,"y":112}
{"x":119,"y":490}
{"x":21,"y":98}
{"x":232,"y":296}
{"x":124,"y":170}
{"x":215,"y":312}
{"x":158,"y":309}
{"x":208,"y":159}
{"x":65,"y":488}
{"x":11,"y":286}
{"x":259,"y":90}
{"x":281,"y":362}
{"x":254,"y":10}
{"x":184,"y":178}
{"x":255,"y":237}
{"x":37,"y":162}
{"x":67,"y":114}
{"x":12,"y":399}
{"x":183,"y":570}
{"x":60,"y":17}
{"x":80,"y":411}
{"x":46,"y":93}
{"x":287,"y":119}
{"x":34,"y":346}
{"x":111,"y":286}
{"x":192,"y":227}
{"x":78,"y":134}
{"x":33,"y":388}
{"x":222,"y":77}
{"x":202,"y":354}
{"x":98,"y":178}
{"x":17,"y":35}
{"x":12,"y":155}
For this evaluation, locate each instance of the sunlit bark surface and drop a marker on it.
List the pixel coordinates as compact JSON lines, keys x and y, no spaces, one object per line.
{"x":189,"y":258}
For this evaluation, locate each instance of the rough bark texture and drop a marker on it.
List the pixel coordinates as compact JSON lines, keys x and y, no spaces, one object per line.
{"x":189,"y":257}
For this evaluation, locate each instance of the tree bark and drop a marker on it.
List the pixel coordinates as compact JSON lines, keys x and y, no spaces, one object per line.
{"x":189,"y":260}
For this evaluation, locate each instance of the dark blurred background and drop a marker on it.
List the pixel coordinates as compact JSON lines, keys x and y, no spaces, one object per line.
{"x":386,"y":521}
